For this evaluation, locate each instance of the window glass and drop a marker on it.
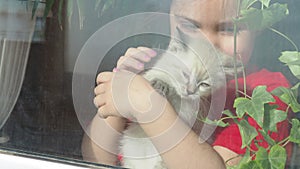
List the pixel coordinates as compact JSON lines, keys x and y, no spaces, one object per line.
{"x":52,"y":51}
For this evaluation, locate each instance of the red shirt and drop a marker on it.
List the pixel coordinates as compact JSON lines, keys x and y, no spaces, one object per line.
{"x":230,"y":137}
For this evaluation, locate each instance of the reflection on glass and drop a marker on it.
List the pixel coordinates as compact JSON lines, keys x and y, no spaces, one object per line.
{"x":38,"y":116}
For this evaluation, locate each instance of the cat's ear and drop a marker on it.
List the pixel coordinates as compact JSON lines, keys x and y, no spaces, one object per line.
{"x":181,"y":36}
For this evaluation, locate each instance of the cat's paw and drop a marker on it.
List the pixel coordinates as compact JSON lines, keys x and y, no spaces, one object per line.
{"x":161,"y":87}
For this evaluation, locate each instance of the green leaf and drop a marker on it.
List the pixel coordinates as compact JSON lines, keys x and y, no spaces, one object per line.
{"x":289,"y":56}
{"x":81,"y":12}
{"x":246,"y":158}
{"x":70,"y":7}
{"x":49,"y":4}
{"x":251,"y":165}
{"x":265,"y":2}
{"x":267,"y":137}
{"x":257,"y":19}
{"x":245,"y":4}
{"x":295,"y":131}
{"x":242,"y":105}
{"x":261,"y":95}
{"x":98,"y":2}
{"x":252,"y":18}
{"x":272,"y":116}
{"x":262,"y":158}
{"x":273,"y":14}
{"x":292,"y":60}
{"x":34,"y":8}
{"x":107,"y":5}
{"x":60,"y":8}
{"x":288,"y":96}
{"x":277,"y":157}
{"x":232,"y":167}
{"x":295,"y":89}
{"x":276,"y":116}
{"x":255,"y":106}
{"x":248,"y":133}
{"x":228,"y":113}
{"x":219,"y":123}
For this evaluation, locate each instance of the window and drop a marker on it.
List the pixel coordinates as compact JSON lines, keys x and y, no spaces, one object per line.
{"x":42,"y":108}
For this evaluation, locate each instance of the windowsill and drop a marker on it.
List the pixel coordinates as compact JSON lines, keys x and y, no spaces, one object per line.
{"x":17,"y":162}
{"x":24,"y":160}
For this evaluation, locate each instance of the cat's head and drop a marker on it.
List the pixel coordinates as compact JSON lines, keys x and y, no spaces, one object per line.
{"x":187,"y":73}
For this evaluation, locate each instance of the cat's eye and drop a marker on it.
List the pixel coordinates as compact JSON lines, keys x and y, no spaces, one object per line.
{"x":203,"y":84}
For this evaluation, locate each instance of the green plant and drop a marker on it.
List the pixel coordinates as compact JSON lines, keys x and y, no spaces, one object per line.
{"x":259,"y":105}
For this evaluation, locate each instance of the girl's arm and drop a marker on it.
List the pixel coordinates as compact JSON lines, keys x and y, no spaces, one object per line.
{"x":189,"y":152}
{"x":92,"y":149}
{"x":134,"y":58}
{"x":158,"y":120}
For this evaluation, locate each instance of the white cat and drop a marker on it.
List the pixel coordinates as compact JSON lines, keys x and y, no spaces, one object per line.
{"x":186,"y":74}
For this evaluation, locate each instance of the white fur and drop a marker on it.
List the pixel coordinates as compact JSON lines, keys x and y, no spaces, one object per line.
{"x":187,"y":79}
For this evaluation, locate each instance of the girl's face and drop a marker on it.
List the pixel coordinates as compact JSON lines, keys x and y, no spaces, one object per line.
{"x":214,"y":19}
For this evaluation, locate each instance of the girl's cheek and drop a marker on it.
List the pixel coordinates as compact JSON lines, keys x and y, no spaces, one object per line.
{"x":226,"y":45}
{"x":244,"y":47}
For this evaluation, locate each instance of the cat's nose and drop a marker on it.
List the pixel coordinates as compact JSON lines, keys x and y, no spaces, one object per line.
{"x":190,"y":86}
{"x":191,"y":89}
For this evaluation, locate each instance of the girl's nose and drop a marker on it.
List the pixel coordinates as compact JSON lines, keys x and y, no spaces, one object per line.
{"x":212,"y":37}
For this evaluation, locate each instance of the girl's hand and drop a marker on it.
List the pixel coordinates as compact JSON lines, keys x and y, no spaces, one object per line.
{"x":134,"y":59}
{"x":125,"y":94}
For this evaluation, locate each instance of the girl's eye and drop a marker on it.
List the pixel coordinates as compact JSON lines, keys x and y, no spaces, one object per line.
{"x":187,"y":25}
{"x":228,"y":31}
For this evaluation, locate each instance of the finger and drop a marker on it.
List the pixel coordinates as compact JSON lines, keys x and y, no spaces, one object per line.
{"x":100,"y":89}
{"x":99,"y":101}
{"x":150,"y":52}
{"x":129,"y":63}
{"x":104,"y":77}
{"x":103,"y":113}
{"x":139,"y":54}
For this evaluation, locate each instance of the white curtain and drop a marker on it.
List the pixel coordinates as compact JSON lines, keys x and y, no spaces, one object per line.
{"x":16,"y":30}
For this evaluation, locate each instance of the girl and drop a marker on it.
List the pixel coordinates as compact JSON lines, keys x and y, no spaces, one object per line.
{"x":214,"y":19}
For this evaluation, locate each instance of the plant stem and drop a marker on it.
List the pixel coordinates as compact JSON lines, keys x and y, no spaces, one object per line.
{"x":284,"y":141}
{"x":238,"y":7}
{"x":225,"y":118}
{"x":235,"y":29}
{"x":245,"y":94}
{"x":251,"y":150}
{"x":286,"y":37}
{"x":287,"y":142}
{"x":287,"y":109}
{"x":235,"y":61}
{"x":244,"y":77}
{"x":251,"y":4}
